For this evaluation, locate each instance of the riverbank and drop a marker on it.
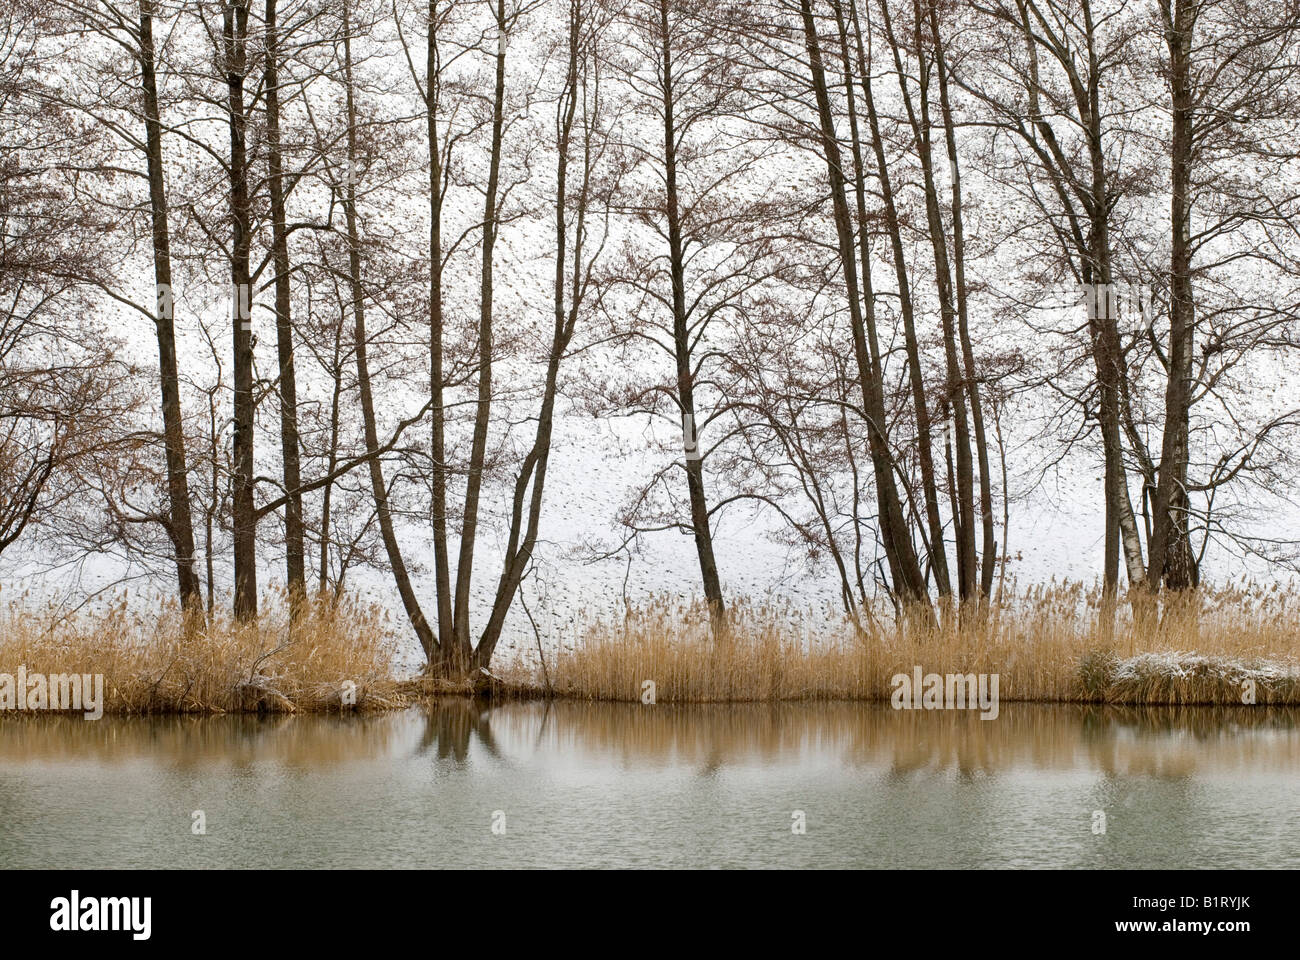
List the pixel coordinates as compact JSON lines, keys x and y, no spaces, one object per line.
{"x":1229,"y":647}
{"x":336,"y":657}
{"x":1225,"y":647}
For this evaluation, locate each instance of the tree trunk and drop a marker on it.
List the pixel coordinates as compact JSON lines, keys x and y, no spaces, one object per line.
{"x":244,"y":512}
{"x":438,"y":440}
{"x":462,"y":649}
{"x":332,"y":456}
{"x":532,"y":475}
{"x":905,"y":570}
{"x":1171,"y":556}
{"x":1108,"y":354}
{"x":180,"y":526}
{"x":989,"y":546}
{"x":958,"y":439}
{"x":700,"y":520}
{"x":925,"y":445}
{"x":295,"y":551}
{"x":400,"y":576}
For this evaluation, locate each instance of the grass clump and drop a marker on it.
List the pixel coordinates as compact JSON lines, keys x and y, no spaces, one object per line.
{"x":165,"y":663}
{"x":1057,"y":643}
{"x":1052,"y":644}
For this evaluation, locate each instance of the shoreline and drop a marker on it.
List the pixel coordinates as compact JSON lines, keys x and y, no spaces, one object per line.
{"x":1174,"y":689}
{"x":1228,"y":647}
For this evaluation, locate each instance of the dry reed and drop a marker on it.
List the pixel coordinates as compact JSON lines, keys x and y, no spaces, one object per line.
{"x":1047,"y":645}
{"x":157,"y":663}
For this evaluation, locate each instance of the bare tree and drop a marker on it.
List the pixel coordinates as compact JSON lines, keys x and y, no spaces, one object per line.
{"x":905,"y":570}
{"x":137,"y":127}
{"x":1061,"y":108}
{"x":1231,"y":77}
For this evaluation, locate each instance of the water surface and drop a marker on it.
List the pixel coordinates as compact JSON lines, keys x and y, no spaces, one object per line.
{"x":627,"y":785}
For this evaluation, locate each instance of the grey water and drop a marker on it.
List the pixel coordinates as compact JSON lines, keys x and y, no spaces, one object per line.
{"x":629,"y":785}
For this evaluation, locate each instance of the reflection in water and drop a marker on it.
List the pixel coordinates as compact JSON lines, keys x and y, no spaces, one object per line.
{"x":449,"y":727}
{"x":1167,"y":742}
{"x":627,"y":784}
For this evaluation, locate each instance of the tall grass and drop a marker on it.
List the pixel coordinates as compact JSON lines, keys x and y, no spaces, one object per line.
{"x":157,"y":663}
{"x":1051,"y":644}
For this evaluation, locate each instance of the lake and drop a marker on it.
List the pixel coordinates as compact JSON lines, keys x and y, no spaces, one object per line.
{"x":628,"y":785}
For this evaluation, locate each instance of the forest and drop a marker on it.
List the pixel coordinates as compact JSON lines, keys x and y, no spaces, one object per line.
{"x":298,"y":289}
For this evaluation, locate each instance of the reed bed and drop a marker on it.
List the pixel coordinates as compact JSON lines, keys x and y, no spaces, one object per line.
{"x":1228,"y":646}
{"x":162,"y":663}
